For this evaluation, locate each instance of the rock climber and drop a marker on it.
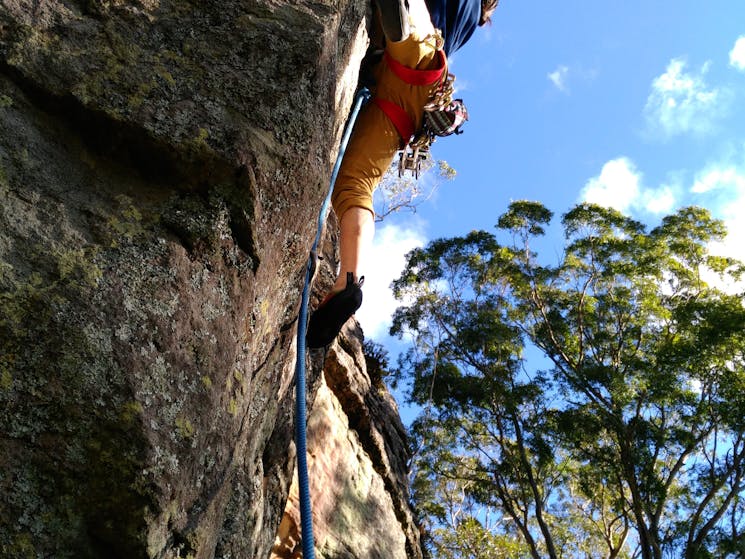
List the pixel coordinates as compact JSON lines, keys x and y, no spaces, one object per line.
{"x":419,"y":35}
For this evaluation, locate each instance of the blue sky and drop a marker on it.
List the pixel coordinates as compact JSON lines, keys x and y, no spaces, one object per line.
{"x":639,"y":105}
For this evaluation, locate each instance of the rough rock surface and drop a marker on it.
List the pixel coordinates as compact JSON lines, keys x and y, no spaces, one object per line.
{"x":357,"y":464}
{"x":161,"y":166}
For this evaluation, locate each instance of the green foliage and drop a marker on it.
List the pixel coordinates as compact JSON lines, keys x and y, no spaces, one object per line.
{"x":629,"y":440}
{"x":376,"y":360}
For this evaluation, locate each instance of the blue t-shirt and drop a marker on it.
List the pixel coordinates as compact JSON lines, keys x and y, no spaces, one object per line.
{"x":457,"y":19}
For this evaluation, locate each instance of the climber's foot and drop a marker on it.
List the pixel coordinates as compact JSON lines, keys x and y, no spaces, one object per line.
{"x":394,"y":18}
{"x":327,"y":320}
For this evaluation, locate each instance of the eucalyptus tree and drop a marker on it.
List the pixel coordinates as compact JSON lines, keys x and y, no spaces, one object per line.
{"x":590,"y":408}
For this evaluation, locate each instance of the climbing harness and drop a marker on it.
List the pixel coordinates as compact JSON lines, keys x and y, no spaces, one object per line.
{"x":439,"y":121}
{"x":442,"y":117}
{"x":306,"y":519}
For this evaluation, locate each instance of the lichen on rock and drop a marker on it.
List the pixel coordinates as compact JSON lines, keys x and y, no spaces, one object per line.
{"x":161,"y":166}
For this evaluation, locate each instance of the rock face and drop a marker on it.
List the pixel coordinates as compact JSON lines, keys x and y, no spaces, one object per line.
{"x":357,"y":464}
{"x":162,"y":164}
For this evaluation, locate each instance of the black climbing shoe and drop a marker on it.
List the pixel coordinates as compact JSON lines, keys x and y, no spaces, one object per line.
{"x":327,"y":320}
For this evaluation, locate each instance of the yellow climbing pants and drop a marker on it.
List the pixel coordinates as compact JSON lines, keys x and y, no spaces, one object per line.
{"x":375,"y":139}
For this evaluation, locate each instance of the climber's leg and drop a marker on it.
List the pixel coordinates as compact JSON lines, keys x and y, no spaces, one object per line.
{"x":369,"y":153}
{"x":374,"y":142}
{"x":355,"y":236}
{"x":356,"y":229}
{"x":394,"y":19}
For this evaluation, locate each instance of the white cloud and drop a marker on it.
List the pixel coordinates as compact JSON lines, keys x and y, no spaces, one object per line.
{"x":619,"y":186}
{"x":682,"y":102}
{"x":659,"y":200}
{"x":721,"y":189}
{"x":725,"y":178}
{"x":559,"y":78}
{"x":616,"y":187}
{"x":737,"y":54}
{"x":459,"y":86}
{"x":734,"y":244}
{"x":384,"y":263}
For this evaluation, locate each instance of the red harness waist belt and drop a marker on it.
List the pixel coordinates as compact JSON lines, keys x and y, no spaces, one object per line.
{"x":401,"y":121}
{"x":417,"y":77}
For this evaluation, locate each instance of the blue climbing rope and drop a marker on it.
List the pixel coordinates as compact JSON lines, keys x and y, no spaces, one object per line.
{"x":306,"y":520}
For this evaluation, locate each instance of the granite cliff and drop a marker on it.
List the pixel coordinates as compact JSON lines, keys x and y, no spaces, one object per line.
{"x":162,"y":163}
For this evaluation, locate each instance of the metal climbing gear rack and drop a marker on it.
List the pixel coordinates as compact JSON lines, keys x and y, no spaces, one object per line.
{"x":411,"y":158}
{"x":443,"y":116}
